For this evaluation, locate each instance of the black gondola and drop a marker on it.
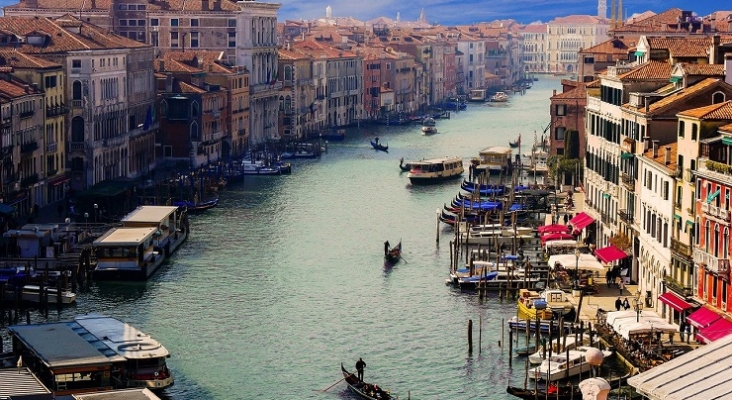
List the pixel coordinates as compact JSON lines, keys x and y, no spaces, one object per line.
{"x":564,"y":392}
{"x":365,"y":390}
{"x":404,"y":167}
{"x":193,"y":207}
{"x":514,"y":144}
{"x":379,"y":146}
{"x":393,"y":255}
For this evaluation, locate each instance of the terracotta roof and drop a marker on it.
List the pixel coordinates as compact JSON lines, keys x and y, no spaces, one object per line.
{"x":320,"y":50}
{"x":682,"y":47}
{"x":66,"y":5}
{"x":648,"y":71}
{"x":719,"y":111}
{"x":184,"y":87}
{"x":671,"y":148}
{"x":579,"y":92}
{"x":726,"y":128}
{"x":612,"y":46}
{"x":16,"y":59}
{"x":579,"y":19}
{"x":534,"y":28}
{"x":684,"y":97}
{"x":169,"y":65}
{"x":210,"y":61}
{"x":639,"y":17}
{"x":594,"y":84}
{"x":14,"y":87}
{"x":703,"y":69}
{"x":655,"y":23}
{"x":59,"y":40}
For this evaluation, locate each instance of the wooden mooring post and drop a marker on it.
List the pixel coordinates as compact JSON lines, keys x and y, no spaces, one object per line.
{"x":470,"y":336}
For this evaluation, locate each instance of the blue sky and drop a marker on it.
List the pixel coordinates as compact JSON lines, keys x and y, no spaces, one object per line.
{"x":451,"y":12}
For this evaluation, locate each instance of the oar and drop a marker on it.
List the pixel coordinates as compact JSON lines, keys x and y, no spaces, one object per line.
{"x":337,"y":382}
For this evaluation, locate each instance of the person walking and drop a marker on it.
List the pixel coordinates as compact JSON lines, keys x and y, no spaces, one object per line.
{"x":360,"y":365}
{"x":626,"y":304}
{"x":609,"y":277}
{"x":618,"y":304}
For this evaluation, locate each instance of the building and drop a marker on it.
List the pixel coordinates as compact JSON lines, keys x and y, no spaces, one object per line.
{"x":567,"y":35}
{"x":535,"y":52}
{"x":567,"y":113}
{"x":298,"y":108}
{"x":472,"y":52}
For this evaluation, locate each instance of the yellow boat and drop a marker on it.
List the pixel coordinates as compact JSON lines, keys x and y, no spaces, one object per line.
{"x":526,"y":309}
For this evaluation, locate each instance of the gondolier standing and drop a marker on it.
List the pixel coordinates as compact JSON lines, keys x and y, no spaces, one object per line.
{"x":386,"y":248}
{"x":360,"y":365}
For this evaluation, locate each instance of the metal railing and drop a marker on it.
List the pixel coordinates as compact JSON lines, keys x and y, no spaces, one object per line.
{"x":680,"y":248}
{"x":628,"y":182}
{"x":625,"y":216}
{"x":712,"y":263}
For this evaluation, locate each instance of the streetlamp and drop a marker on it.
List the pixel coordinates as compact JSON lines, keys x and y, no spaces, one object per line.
{"x":86,"y":221}
{"x":576,"y":268}
{"x":638,"y":307}
{"x":96,"y":209}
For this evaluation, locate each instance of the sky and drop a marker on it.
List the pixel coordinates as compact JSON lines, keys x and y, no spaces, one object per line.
{"x":455,"y":12}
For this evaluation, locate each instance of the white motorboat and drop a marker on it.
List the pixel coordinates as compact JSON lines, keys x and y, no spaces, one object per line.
{"x":499,"y":97}
{"x":33,"y":294}
{"x":565,"y":343}
{"x":491,"y":237}
{"x":435,"y":170}
{"x":569,"y":363}
{"x":258,"y":168}
{"x":495,"y":274}
{"x":428,"y":126}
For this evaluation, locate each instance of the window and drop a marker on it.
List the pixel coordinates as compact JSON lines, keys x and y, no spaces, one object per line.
{"x":154,"y":22}
{"x":174,"y":22}
{"x":559,"y":133}
{"x":665,"y":190}
{"x":194,"y":21}
{"x":232,"y":39}
{"x":173,"y":39}
{"x":681,"y":128}
{"x":75,"y":63}
{"x":51,"y":82}
{"x":132,"y":22}
{"x":140,"y":22}
{"x":123,"y":6}
{"x":123,"y":22}
{"x":561,"y":110}
{"x":694,"y":129}
{"x":232,"y":23}
{"x":76,"y":90}
{"x":194,"y":39}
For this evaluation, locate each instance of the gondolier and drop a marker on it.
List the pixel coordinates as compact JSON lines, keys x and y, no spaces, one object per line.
{"x":360,"y":365}
{"x":386,"y":248}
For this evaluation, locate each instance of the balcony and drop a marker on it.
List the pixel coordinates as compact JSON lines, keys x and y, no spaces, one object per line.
{"x":77,"y":103}
{"x":715,"y":265}
{"x":77,"y":146}
{"x":27,"y":114}
{"x":626,"y":216}
{"x":263,"y":87}
{"x":607,"y":219}
{"x":56,"y":111}
{"x":715,"y":212}
{"x":677,"y":287}
{"x":7,"y":123}
{"x":628,"y":182}
{"x":29,"y":180}
{"x":680,"y":248}
{"x":51,"y":147}
{"x":115,"y":141}
{"x":594,"y":104}
{"x":28,"y":147}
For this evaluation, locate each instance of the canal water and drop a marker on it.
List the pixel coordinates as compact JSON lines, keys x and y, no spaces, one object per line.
{"x":284,"y":280}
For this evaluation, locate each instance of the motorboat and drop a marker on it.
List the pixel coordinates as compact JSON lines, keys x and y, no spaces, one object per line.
{"x":499,"y":97}
{"x":258,"y":167}
{"x":34,"y":294}
{"x":532,"y":305}
{"x":493,"y":160}
{"x":435,"y":170}
{"x":127,"y":254}
{"x":567,"y":342}
{"x":428,"y":126}
{"x":569,"y":363}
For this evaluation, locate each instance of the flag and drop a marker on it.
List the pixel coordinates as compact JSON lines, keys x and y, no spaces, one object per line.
{"x":148,"y":118}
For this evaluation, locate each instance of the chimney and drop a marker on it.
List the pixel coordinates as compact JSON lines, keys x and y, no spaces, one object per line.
{"x":667,"y":157}
{"x":169,"y":83}
{"x":162,"y":65}
{"x":205,"y":6}
{"x":554,"y":92}
{"x":728,"y":67}
{"x":27,"y":88}
{"x":655,"y":148}
{"x":35,"y":87}
{"x":714,"y":51}
{"x":32,"y":4}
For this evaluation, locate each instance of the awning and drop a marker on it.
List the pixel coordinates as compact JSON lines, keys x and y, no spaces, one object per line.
{"x":675,"y":79}
{"x":702,"y":317}
{"x":6,"y":209}
{"x":610,"y":254}
{"x":727,"y":140}
{"x":553,"y":228}
{"x":717,"y":330}
{"x":581,"y":221}
{"x":677,"y":216}
{"x":639,"y":53}
{"x":674,"y":301}
{"x":556,"y":236}
{"x":59,"y":180}
{"x":625,"y":156}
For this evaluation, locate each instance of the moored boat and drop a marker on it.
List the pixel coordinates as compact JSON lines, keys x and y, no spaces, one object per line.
{"x":435,"y":170}
{"x":368,"y":391}
{"x":258,"y":167}
{"x":569,"y":363}
{"x":193,"y":207}
{"x":127,"y":254}
{"x":171,"y":222}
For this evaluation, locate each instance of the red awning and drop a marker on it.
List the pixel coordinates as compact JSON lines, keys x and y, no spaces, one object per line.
{"x":610,"y":254}
{"x":674,"y":301}
{"x":554,"y":228}
{"x":717,"y":330}
{"x":556,"y":236}
{"x":702,"y":317}
{"x":581,"y":221}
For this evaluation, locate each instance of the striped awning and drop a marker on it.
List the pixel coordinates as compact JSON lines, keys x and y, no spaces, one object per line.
{"x":674,"y":301}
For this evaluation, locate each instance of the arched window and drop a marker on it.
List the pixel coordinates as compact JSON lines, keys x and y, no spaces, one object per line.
{"x":194,"y":132}
{"x":76,"y":90}
{"x":77,"y":130}
{"x":288,"y":73}
{"x":725,"y":244}
{"x":288,"y":104}
{"x":716,"y":240}
{"x":718,"y":97}
{"x":706,"y":237}
{"x":282,"y":103}
{"x":195,"y":109}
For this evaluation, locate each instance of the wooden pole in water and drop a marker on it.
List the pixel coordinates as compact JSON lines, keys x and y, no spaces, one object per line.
{"x":480,"y":334}
{"x":503,"y":332}
{"x":470,"y":336}
{"x":437,"y":231}
{"x":510,"y":347}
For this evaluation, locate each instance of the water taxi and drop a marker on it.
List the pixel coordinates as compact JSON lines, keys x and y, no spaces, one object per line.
{"x":90,"y":354}
{"x":127,"y":254}
{"x":435,"y":170}
{"x":494,"y":160}
{"x":499,"y":97}
{"x":171,"y":222}
{"x":428,"y":126}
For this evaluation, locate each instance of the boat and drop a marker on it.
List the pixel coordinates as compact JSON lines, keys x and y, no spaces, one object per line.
{"x":520,"y":324}
{"x":435,"y":170}
{"x":499,"y":97}
{"x":368,"y":391}
{"x":525,"y":350}
{"x":514,"y":144}
{"x":171,"y":223}
{"x":258,"y":167}
{"x":568,"y":364}
{"x":404,"y":167}
{"x":193,"y":207}
{"x":567,"y":342}
{"x":34,"y":294}
{"x":553,"y":301}
{"x":378,"y":146}
{"x":477,"y":95}
{"x":493,"y":161}
{"x":335,"y":135}
{"x":561,"y":392}
{"x":428,"y":126}
{"x":127,"y":254}
{"x":392,"y":255}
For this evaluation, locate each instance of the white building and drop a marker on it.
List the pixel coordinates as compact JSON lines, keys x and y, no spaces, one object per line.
{"x":473,"y":63}
{"x":567,"y":35}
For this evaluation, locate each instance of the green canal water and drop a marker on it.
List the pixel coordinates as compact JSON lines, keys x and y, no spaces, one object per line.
{"x":284,"y":280}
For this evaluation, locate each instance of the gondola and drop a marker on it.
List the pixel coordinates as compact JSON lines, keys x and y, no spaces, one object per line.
{"x":514,"y":144}
{"x":404,"y":167}
{"x":393,"y":255}
{"x":379,"y":146}
{"x":368,"y":391}
{"x":565,"y":392}
{"x":194,"y":208}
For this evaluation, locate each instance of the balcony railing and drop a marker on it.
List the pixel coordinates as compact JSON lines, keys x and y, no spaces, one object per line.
{"x":607,"y":218}
{"x":55,"y":111}
{"x":29,"y":180}
{"x":76,"y":103}
{"x":593,"y":103}
{"x":677,"y":287}
{"x":715,"y":212}
{"x":262,"y":87}
{"x":28,"y":147}
{"x":625,"y":216}
{"x":51,"y":147}
{"x":27,"y":114}
{"x":628,"y":182}
{"x":680,"y":248}
{"x":711,"y":263}
{"x":7,"y":123}
{"x":77,"y":146}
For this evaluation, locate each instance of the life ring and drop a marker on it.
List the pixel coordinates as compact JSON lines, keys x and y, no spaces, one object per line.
{"x":156,"y":374}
